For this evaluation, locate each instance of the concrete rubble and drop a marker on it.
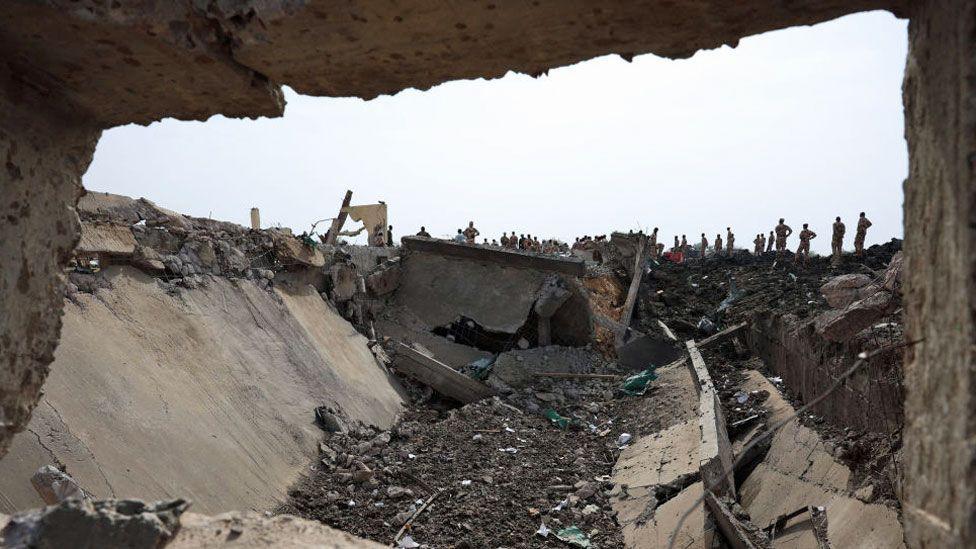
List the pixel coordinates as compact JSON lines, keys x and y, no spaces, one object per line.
{"x":445,"y":391}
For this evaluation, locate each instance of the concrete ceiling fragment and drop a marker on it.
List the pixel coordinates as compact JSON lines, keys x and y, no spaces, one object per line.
{"x":141,"y":60}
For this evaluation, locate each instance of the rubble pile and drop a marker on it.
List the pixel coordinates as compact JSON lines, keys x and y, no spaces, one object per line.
{"x":681,"y":294}
{"x":499,"y":474}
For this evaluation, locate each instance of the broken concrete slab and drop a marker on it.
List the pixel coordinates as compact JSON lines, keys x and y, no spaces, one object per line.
{"x":148,"y":378}
{"x":55,"y":486}
{"x":775,"y":404}
{"x":696,"y":532}
{"x":291,"y":251}
{"x":385,"y":279}
{"x":843,"y":290}
{"x":843,"y":325}
{"x":715,"y":454}
{"x":108,"y":239}
{"x":441,"y":377}
{"x":798,"y":471}
{"x":507,"y":258}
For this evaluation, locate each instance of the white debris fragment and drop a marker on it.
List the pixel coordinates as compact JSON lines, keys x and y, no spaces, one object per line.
{"x":411,"y":456}
{"x":509,"y":429}
{"x":542,"y":531}
{"x":624,"y":438}
{"x":476,"y":437}
{"x":509,"y":450}
{"x":465,"y":482}
{"x":407,"y":542}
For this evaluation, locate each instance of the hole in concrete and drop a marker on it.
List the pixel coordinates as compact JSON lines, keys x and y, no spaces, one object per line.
{"x":468,"y":332}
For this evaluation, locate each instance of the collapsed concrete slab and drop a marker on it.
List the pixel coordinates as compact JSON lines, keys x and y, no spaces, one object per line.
{"x":798,"y":472}
{"x":715,"y":455}
{"x":149,"y":378}
{"x":489,"y":298}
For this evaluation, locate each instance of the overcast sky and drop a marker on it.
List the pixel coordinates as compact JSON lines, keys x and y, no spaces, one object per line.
{"x":804,"y":123}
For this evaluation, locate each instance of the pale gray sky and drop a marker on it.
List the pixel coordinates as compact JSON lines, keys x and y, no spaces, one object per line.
{"x":804,"y":123}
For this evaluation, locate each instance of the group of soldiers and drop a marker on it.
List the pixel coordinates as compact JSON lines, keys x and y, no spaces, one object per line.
{"x":777,"y":237}
{"x":525,"y":242}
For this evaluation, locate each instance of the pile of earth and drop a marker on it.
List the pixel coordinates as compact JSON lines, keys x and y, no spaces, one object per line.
{"x":680,"y":295}
{"x":500,"y":468}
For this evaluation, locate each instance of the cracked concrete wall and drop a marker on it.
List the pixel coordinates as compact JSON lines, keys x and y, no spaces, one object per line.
{"x":939,"y":498}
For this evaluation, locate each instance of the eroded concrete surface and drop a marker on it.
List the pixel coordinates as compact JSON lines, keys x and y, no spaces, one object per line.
{"x":206,"y":394}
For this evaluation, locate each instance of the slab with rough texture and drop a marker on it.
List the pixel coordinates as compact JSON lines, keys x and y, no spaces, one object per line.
{"x":206,"y":394}
{"x":939,"y":499}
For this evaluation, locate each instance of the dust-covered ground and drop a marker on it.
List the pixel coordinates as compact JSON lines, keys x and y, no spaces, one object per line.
{"x":497,"y":473}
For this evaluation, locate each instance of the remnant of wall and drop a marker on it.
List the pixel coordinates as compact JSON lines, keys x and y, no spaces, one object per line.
{"x":871,"y":400}
{"x":939,"y":499}
{"x":43,"y":155}
{"x":204,"y":393}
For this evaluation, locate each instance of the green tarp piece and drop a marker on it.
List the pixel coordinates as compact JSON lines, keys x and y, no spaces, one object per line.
{"x":636,"y":385}
{"x":573,"y":536}
{"x":562,"y":422}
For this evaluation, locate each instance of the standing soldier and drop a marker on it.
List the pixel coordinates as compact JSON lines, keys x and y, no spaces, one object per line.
{"x":757,"y":245}
{"x":769,"y":242}
{"x":504,"y":240}
{"x":730,"y":245}
{"x":837,"y":242}
{"x":728,"y":239}
{"x":862,"y":231}
{"x":677,"y":246}
{"x":653,"y":243}
{"x":704,"y":246}
{"x":783,"y":231}
{"x":718,"y":244}
{"x":806,"y":235}
{"x":470,"y":234}
{"x":684,"y":245}
{"x":423,"y":232}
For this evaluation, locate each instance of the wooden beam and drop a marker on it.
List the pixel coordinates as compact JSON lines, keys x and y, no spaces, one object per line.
{"x":628,"y":310}
{"x":565,"y":375}
{"x":724,"y":334}
{"x":440,"y":377}
{"x":339,"y":220}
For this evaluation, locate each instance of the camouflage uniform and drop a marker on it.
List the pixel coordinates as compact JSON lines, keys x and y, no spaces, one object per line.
{"x":471,"y":233}
{"x":862,"y":231}
{"x":806,"y":235}
{"x":704,"y":246}
{"x":652,"y":242}
{"x":837,"y":242}
{"x":718,"y":244}
{"x":757,"y":245}
{"x":729,"y":247}
{"x":770,"y":242}
{"x":782,"y":232}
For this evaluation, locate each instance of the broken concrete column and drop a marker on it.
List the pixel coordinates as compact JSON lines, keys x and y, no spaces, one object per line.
{"x":256,"y":219}
{"x":939,"y":499}
{"x":549,"y":299}
{"x":45,"y":154}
